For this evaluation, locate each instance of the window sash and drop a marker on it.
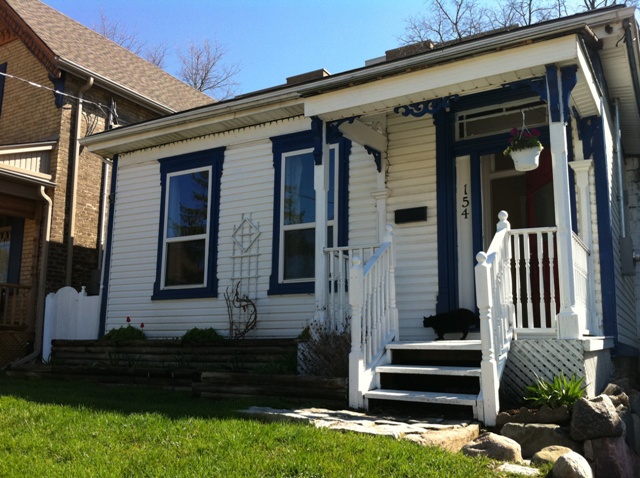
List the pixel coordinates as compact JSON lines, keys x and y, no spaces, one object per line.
{"x":332,"y":212}
{"x":185,"y":238}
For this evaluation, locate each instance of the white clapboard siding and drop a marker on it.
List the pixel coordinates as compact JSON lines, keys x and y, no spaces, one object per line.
{"x":362,"y":205}
{"x":412,"y":182}
{"x":247,"y":188}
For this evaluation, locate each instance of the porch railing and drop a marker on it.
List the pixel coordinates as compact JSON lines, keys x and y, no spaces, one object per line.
{"x":494,"y":295}
{"x":16,"y":306}
{"x":535,"y":274}
{"x":374,"y":316}
{"x":338,"y":265}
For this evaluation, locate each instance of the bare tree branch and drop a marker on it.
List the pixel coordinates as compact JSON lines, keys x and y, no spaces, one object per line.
{"x":115,"y":32}
{"x":156,"y":54}
{"x":202,"y":69}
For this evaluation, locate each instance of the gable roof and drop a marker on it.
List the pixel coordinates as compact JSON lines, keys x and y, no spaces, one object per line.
{"x":62,"y":44}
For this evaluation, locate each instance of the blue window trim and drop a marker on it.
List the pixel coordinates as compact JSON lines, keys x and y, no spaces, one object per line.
{"x":294,"y":142}
{"x":3,"y":69}
{"x":215,"y":159}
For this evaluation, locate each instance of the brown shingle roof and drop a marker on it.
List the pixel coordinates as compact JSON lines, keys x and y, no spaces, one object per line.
{"x":73,"y":42}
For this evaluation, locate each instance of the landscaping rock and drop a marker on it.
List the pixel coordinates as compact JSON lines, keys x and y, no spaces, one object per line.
{"x":494,"y":446}
{"x":612,"y":457}
{"x":533,"y":437}
{"x":545,"y":414}
{"x":451,"y":439}
{"x":521,"y":470}
{"x":634,"y":401}
{"x":572,"y":465}
{"x":595,"y":418}
{"x":549,"y":454}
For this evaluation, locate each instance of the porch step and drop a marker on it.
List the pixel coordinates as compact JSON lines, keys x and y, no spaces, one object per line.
{"x":440,"y":398}
{"x":437,"y":345}
{"x":430,"y":370}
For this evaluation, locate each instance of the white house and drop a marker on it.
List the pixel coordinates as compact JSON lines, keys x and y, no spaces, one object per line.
{"x":289,"y":191}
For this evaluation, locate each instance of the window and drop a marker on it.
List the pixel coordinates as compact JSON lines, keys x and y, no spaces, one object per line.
{"x":188,"y":236}
{"x":294,"y":242}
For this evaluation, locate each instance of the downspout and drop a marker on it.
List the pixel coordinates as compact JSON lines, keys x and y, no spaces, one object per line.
{"x":75,"y":160}
{"x":618,"y":155}
{"x":105,"y":194}
{"x":626,"y":244}
{"x":44,"y":254}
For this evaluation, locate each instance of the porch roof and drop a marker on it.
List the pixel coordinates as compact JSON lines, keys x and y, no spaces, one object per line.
{"x":476,"y":65}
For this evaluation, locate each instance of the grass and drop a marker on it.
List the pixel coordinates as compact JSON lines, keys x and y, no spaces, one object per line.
{"x":69,"y":429}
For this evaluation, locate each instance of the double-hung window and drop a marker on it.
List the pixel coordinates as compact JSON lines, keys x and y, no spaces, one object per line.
{"x":188,"y":236}
{"x":295,"y":210}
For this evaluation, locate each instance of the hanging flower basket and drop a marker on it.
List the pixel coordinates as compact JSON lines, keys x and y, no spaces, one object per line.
{"x":526,"y":159}
{"x":524,"y":149}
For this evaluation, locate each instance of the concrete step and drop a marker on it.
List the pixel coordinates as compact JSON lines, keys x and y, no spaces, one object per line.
{"x":430,"y":370}
{"x":440,"y":398}
{"x":437,"y":345}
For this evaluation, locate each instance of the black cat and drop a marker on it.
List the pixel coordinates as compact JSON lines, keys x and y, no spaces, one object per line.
{"x":459,"y":320}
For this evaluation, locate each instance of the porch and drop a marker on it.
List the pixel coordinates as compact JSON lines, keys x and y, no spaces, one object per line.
{"x":519,"y":297}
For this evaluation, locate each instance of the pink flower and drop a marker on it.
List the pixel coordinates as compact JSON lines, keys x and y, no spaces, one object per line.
{"x":142,"y":325}
{"x":128,"y":319}
{"x":535,"y":132}
{"x":514,"y":131}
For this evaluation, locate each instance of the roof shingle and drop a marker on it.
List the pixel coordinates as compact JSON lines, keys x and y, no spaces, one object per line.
{"x":73,"y":42}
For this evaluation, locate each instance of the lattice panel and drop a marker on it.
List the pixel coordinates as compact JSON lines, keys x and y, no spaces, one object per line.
{"x":542,"y":357}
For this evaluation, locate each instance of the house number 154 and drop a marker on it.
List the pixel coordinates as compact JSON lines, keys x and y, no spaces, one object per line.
{"x":465,"y":204}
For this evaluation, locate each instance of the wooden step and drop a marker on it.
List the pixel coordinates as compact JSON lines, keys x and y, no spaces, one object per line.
{"x":437,"y":345}
{"x":440,"y":398}
{"x":430,"y":370}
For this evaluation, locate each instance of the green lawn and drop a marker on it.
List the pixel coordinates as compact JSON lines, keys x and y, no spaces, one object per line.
{"x":65,"y":429}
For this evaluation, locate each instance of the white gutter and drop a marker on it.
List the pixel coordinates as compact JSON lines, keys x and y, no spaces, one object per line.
{"x":617,"y":152}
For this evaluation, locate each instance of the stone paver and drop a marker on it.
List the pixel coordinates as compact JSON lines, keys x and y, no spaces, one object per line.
{"x":447,"y":434}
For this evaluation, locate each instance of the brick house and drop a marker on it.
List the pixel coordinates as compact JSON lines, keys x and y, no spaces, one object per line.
{"x":60,"y":81}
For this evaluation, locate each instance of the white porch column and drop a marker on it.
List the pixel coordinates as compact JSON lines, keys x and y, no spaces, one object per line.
{"x":381,"y":196}
{"x":582,"y":169}
{"x":568,"y":322}
{"x":321,"y":186}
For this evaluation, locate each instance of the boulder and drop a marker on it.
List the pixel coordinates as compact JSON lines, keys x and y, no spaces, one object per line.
{"x":572,"y":465}
{"x":595,"y":418}
{"x":494,"y":446}
{"x":612,"y":457}
{"x":634,"y":401}
{"x":544,"y":414}
{"x":549,"y":454}
{"x":533,"y":437}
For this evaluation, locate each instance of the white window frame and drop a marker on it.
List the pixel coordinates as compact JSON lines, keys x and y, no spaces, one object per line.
{"x":334,"y":148}
{"x":168,"y":240}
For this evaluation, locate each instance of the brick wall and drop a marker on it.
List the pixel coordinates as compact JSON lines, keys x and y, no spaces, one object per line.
{"x":29,"y":114}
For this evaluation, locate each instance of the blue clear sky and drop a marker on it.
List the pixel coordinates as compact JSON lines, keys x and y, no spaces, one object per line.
{"x":271,"y":39}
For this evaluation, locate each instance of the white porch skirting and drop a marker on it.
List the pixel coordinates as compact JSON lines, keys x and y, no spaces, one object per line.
{"x":546,"y":358}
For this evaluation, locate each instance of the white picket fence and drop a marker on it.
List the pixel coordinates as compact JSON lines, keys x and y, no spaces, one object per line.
{"x":70,"y":315}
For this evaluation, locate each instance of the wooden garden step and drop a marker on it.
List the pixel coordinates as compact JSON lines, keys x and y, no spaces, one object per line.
{"x":430,"y":370}
{"x":437,"y":345}
{"x":440,"y":398}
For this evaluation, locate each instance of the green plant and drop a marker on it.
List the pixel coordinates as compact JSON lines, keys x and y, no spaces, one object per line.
{"x":560,"y":391}
{"x":523,"y":139}
{"x":125,"y":333}
{"x":202,"y":335}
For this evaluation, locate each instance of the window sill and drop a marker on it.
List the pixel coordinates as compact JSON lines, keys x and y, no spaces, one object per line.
{"x":172,"y":294}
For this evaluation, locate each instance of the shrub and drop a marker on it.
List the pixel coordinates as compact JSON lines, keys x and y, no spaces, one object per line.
{"x":124,"y":333}
{"x":325,"y":351}
{"x":554,"y":394}
{"x":202,"y":335}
